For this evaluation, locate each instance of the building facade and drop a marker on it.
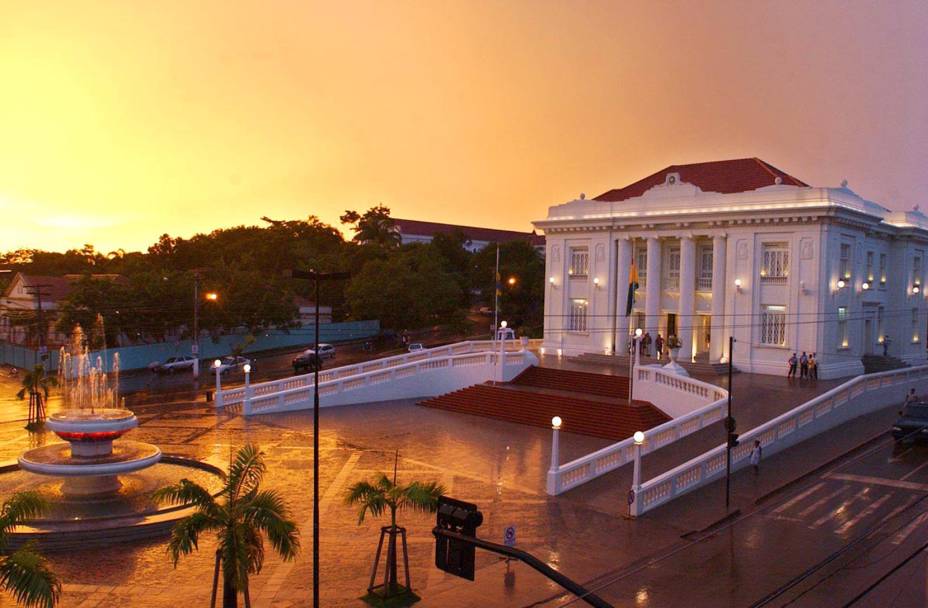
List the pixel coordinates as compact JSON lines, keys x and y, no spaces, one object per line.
{"x":738,"y":248}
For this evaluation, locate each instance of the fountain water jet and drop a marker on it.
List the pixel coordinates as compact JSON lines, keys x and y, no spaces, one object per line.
{"x":92,"y":421}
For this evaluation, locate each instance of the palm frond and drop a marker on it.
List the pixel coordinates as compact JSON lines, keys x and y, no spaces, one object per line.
{"x":20,"y":507}
{"x":185,"y":535}
{"x":246,"y":471}
{"x":26,"y":575}
{"x":268,"y":512}
{"x":421,"y":496}
{"x":371,"y":498}
{"x":186,"y":492}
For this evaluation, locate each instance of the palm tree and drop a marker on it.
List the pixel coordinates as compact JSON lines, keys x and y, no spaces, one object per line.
{"x":36,"y":383}
{"x":383,"y":494}
{"x":25,"y":573}
{"x":241,"y":518}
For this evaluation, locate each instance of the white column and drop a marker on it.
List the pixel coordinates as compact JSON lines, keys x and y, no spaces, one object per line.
{"x":687,"y":322}
{"x":620,"y":291}
{"x":653,"y":299}
{"x":717,"y":346}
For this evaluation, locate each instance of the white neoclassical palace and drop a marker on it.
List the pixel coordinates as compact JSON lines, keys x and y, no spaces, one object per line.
{"x":738,"y":248}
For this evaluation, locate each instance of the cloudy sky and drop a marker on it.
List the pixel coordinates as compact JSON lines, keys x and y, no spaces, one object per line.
{"x":120,"y":121}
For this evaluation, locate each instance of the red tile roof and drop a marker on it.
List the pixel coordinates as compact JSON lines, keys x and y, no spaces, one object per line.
{"x":723,"y":176}
{"x":56,"y":288}
{"x":492,"y":235}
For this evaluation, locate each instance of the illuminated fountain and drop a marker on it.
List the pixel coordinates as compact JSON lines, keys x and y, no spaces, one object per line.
{"x":92,"y":420}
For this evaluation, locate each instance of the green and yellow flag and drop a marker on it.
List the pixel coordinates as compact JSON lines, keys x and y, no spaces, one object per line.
{"x":632,"y":288}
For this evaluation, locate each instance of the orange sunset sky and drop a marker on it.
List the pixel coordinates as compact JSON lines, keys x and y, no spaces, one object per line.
{"x":121,"y":120}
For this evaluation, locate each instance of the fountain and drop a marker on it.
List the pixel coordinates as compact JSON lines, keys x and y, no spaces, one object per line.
{"x":99,"y":485}
{"x":89,"y":462}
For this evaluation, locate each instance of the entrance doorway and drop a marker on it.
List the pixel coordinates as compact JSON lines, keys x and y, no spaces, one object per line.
{"x":868,"y":337}
{"x":703,"y":333}
{"x":671,"y":324}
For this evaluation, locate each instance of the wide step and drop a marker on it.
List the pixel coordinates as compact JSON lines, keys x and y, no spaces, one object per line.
{"x":610,"y":420}
{"x":577,"y":382}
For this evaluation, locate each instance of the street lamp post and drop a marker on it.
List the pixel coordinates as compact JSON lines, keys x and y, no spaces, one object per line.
{"x":316,"y":277}
{"x":246,"y":408}
{"x":501,"y":334}
{"x":219,"y":404}
{"x":638,"y":438}
{"x":553,"y":482}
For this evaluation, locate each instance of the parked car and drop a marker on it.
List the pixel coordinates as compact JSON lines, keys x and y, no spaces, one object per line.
{"x":416,"y":347}
{"x":913,"y":423}
{"x":307,"y":361}
{"x":486,"y":311}
{"x":172,"y":364}
{"x":234,"y":363}
{"x":326,"y":351}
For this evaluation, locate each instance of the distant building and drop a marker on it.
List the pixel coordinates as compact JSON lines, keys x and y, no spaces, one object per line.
{"x":306,"y":311}
{"x":20,"y":306}
{"x":739,"y":249}
{"x":414,"y":231}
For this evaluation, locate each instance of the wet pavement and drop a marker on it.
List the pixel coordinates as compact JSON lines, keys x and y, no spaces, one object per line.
{"x":498,"y":465}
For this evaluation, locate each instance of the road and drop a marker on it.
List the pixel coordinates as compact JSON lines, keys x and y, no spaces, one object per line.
{"x":840,"y":538}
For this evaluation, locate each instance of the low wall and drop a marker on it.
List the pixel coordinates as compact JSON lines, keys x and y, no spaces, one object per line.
{"x":673,"y":394}
{"x":857,"y":397}
{"x":139,"y":356}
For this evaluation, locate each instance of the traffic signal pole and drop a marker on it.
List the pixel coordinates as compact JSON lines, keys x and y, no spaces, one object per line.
{"x":529,"y":560}
{"x":729,"y":426}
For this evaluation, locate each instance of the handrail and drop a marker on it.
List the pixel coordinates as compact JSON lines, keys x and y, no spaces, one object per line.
{"x":581,"y":470}
{"x":775,"y":434}
{"x":273,"y":387}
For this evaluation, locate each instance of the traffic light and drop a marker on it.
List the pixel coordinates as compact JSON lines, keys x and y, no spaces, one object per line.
{"x":730,"y":426}
{"x":452,"y":555}
{"x":732,"y":440}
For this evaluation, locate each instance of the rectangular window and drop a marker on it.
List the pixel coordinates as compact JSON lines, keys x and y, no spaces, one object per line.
{"x":917,"y":269}
{"x":673,"y":269}
{"x":576,"y":321}
{"x":775,"y":263}
{"x":579,"y":262}
{"x":879,"y":324}
{"x":870,"y":266}
{"x":641,"y":260}
{"x":704,"y":283}
{"x":844,"y":268}
{"x":773,"y":325}
{"x":916,"y":335}
{"x":882,"y":271}
{"x":842,"y":327}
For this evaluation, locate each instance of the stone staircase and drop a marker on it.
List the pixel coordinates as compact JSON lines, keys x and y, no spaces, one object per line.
{"x":588,"y":404}
{"x":879,"y":363}
{"x":699,"y":367}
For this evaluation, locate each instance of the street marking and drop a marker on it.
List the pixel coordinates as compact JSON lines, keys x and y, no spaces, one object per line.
{"x":844,"y":507}
{"x":905,"y":532}
{"x":881,"y":481}
{"x":787,"y":505}
{"x":865,"y":513}
{"x":818,"y":503}
{"x":337,"y":486}
{"x":914,"y":471}
{"x":908,"y":503}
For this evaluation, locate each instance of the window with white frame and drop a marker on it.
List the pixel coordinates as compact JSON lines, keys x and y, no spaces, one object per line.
{"x":842,"y":327}
{"x":641,"y":260}
{"x":882,"y":271}
{"x":672,"y":280}
{"x":576,"y":321}
{"x":844,"y":267}
{"x":773,"y":325}
{"x":579,"y":262}
{"x":869,"y":271}
{"x":916,"y":335}
{"x":704,"y":282}
{"x":917,"y":269}
{"x":879,"y":325}
{"x":775,"y":263}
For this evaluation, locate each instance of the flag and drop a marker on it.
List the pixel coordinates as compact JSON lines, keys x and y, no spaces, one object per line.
{"x":632,"y":287}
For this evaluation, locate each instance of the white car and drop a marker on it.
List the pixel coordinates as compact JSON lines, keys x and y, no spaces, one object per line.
{"x":173,"y":364}
{"x":229,"y":364}
{"x":416,"y":347}
{"x":326,"y":351}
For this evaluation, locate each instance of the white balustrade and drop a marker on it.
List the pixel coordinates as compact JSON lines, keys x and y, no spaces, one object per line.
{"x":862,"y":395}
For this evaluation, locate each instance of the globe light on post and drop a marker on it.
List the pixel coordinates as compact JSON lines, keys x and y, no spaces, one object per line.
{"x":217,"y":363}
{"x":503,"y":324}
{"x":638,"y":332}
{"x":638,"y":437}
{"x":556,"y":423}
{"x":865,"y":286}
{"x":247,"y":368}
{"x":841,"y":283}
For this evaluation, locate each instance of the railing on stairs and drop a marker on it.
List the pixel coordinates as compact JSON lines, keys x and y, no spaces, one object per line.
{"x":862,"y":395}
{"x":710,"y":407}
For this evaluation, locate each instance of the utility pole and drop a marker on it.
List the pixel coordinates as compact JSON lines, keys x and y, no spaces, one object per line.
{"x":36,"y":290}
{"x":496,"y":293}
{"x":731,"y":437}
{"x":195,"y":342}
{"x":316,"y":277}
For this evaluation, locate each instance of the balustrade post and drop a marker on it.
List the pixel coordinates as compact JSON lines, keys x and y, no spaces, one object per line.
{"x":553,"y":485}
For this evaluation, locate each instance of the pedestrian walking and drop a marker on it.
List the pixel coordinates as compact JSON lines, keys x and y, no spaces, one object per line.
{"x":646,"y":342}
{"x":756,"y":455}
{"x":813,"y":367}
{"x":793,"y":362}
{"x":804,"y":365}
{"x":659,"y":346}
{"x":910,"y":398}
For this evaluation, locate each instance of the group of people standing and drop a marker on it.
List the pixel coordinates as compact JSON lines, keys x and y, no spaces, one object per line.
{"x":645,"y":345}
{"x":807,"y":365}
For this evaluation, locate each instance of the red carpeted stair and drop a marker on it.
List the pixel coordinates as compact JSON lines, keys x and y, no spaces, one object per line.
{"x":587,"y":403}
